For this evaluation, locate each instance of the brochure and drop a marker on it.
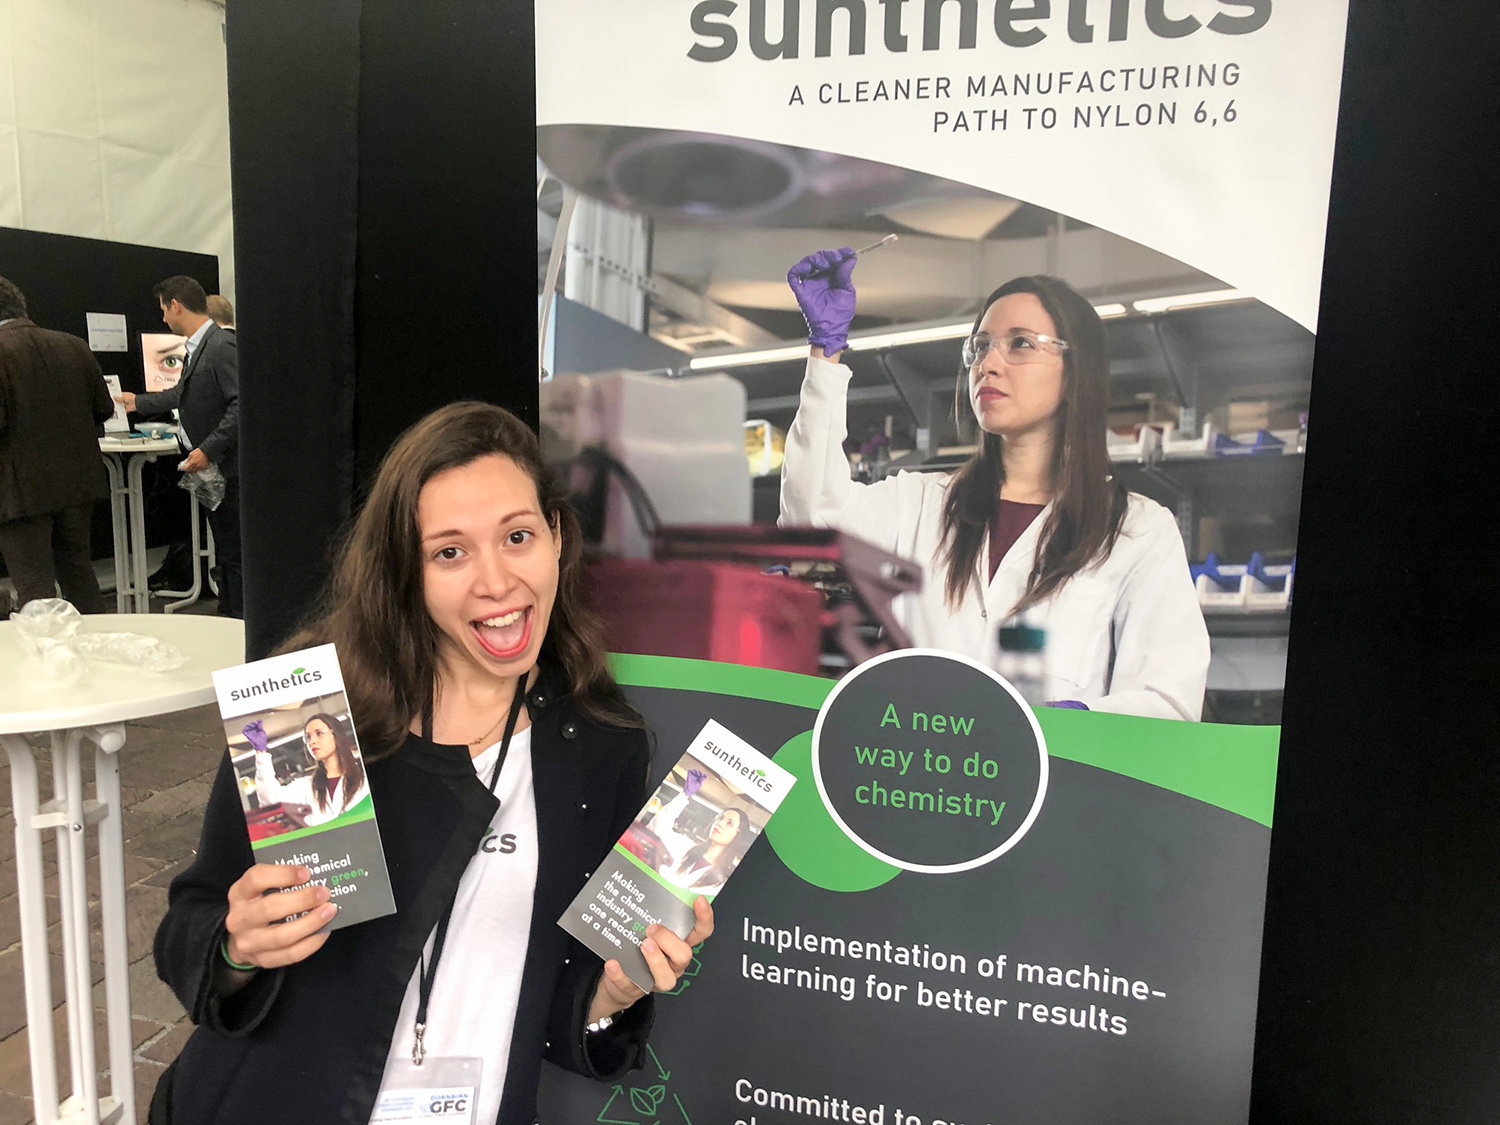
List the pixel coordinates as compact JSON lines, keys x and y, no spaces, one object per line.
{"x":687,"y":841}
{"x":301,"y":777}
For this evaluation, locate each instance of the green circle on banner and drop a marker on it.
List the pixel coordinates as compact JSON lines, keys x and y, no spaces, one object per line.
{"x":929,"y":761}
{"x":806,"y":838}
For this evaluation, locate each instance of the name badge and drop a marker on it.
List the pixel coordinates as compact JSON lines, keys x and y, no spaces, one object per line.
{"x":441,"y":1089}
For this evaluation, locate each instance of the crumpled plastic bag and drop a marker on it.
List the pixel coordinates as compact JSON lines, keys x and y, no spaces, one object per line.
{"x":51,"y":633}
{"x":208,"y":486}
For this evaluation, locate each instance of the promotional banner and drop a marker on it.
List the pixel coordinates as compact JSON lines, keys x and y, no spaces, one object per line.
{"x":985,"y":533}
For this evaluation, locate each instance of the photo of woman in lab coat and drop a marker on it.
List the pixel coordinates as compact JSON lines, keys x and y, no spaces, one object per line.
{"x":337,"y":782}
{"x":1032,"y":524}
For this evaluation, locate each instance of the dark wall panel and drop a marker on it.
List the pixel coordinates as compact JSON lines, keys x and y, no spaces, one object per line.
{"x":64,"y":278}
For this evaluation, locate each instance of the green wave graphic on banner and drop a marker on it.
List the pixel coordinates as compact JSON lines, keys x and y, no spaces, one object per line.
{"x":1230,"y":767}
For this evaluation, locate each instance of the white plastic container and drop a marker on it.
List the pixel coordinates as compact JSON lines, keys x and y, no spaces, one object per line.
{"x":684,"y":439}
{"x":1132,"y":450}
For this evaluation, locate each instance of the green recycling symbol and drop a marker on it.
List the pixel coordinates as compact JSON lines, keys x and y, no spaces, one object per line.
{"x":649,"y":1103}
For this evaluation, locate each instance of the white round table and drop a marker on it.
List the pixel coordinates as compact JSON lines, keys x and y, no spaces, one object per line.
{"x":93,"y":710}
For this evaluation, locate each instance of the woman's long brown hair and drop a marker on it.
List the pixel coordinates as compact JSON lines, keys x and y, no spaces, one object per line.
{"x":1087,"y":506}
{"x":374,"y":608}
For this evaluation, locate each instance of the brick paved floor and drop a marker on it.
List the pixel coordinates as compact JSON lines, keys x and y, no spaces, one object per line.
{"x":167,"y":766}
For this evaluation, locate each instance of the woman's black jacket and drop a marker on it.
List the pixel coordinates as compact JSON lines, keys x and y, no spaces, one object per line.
{"x":308,"y":1043}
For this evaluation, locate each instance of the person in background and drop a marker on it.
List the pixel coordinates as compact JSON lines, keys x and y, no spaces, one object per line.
{"x":1033,"y":523}
{"x":221,"y":312}
{"x":207,"y":399}
{"x":53,"y":399}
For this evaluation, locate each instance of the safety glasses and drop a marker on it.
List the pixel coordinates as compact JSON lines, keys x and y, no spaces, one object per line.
{"x":1015,"y":347}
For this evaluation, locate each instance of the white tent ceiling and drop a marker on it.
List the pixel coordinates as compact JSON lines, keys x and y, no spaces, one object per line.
{"x":114,"y":123}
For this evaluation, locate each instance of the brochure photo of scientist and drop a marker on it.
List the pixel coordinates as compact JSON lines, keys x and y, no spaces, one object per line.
{"x":696,"y":828}
{"x":296,"y":765}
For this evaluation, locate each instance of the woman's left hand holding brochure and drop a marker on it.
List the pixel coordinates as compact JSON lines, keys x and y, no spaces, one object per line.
{"x":668,"y":957}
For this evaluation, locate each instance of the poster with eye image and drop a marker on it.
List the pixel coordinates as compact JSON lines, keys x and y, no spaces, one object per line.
{"x":163,"y":356}
{"x":301,"y":777}
{"x":933,"y":382}
{"x":686,"y":842}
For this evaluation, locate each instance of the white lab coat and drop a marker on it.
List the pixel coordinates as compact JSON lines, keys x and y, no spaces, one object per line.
{"x":299,"y":791}
{"x":1125,"y":636}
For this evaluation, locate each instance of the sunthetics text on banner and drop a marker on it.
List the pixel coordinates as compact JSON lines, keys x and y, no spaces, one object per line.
{"x":1200,"y":128}
{"x":1011,"y":595}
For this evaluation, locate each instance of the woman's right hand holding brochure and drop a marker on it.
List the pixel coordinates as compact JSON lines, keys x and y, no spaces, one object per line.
{"x":256,"y":933}
{"x":823,"y":283}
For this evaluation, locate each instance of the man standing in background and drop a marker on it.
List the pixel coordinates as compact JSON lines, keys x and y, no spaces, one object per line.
{"x":207,"y":399}
{"x":53,"y":399}
{"x":221,"y":311}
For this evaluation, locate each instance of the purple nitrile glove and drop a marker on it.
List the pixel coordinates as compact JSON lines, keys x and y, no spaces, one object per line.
{"x":823,"y":284}
{"x":256,"y":732}
{"x":1067,"y":704}
{"x":694,"y":782}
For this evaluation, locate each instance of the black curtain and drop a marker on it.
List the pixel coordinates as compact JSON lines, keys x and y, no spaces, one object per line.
{"x":1380,"y":987}
{"x":385,"y":244}
{"x":293,"y":119}
{"x":447,"y":218}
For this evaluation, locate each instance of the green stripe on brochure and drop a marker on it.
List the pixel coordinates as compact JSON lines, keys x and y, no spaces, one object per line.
{"x":365,"y":812}
{"x":1230,"y":767}
{"x":688,"y":897}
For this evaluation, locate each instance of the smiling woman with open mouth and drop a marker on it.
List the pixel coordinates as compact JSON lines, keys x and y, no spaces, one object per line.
{"x":479,"y":682}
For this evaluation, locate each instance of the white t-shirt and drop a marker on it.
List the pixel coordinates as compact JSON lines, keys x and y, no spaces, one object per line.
{"x":472,"y":1012}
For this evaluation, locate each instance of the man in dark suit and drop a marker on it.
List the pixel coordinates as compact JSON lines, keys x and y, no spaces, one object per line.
{"x":207,"y":400}
{"x":53,"y":399}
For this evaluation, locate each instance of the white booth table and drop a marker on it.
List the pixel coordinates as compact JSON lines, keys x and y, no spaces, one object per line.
{"x":125,"y":459}
{"x":93,"y":710}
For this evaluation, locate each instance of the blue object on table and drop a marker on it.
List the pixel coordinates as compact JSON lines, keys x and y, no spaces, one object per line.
{"x":1257,"y":570}
{"x":1210,"y":567}
{"x":1265,"y":442}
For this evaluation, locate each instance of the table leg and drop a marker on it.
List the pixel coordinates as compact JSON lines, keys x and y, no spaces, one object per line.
{"x":135,"y":469}
{"x":72,"y":877}
{"x":109,"y":740}
{"x":119,"y":522}
{"x":193,"y":592}
{"x":31,"y":899}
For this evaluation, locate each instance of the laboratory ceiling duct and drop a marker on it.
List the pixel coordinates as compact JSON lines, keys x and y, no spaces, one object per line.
{"x":732,"y":181}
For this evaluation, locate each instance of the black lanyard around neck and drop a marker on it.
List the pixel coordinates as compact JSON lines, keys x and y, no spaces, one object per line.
{"x":428,"y":975}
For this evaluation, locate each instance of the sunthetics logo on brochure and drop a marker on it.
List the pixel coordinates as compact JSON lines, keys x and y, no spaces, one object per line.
{"x":292,"y":676}
{"x":877,"y":24}
{"x":729,"y":758}
{"x":296,"y":678}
